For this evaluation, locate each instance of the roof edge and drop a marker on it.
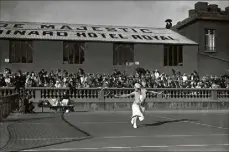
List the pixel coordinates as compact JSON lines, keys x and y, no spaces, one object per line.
{"x":199,"y":17}
{"x":82,"y":24}
{"x":101,"y":41}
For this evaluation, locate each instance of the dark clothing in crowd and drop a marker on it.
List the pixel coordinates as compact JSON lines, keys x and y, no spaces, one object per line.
{"x":66,"y":96}
{"x":30,"y":107}
{"x":2,"y":82}
{"x":117,"y":79}
{"x":19,"y":82}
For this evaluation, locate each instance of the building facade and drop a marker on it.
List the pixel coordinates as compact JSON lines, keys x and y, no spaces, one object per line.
{"x":96,"y":49}
{"x":208,"y":25}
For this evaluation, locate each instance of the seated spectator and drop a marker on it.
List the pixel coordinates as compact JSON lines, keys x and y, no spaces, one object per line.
{"x":65,"y":99}
{"x":58,"y":84}
{"x":227,"y":85}
{"x":198,"y":85}
{"x":118,"y":79}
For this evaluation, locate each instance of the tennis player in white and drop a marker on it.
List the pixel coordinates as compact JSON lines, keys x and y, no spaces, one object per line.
{"x":139,"y":98}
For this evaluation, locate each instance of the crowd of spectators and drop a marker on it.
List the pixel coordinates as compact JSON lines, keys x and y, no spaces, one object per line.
{"x":117,"y":79}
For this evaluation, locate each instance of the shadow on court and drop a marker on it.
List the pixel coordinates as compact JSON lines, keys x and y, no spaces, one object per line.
{"x":158,"y":123}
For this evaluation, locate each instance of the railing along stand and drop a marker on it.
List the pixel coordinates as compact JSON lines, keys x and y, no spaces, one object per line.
{"x":102,"y":98}
{"x":214,"y":94}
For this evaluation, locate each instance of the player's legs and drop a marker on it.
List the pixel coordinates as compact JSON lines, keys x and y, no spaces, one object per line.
{"x":134,"y":122}
{"x":136,"y":114}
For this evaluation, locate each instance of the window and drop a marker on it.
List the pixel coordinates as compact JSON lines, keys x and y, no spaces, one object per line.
{"x":210,"y":40}
{"x":123,"y":54}
{"x":73,"y":52}
{"x":173,"y":55}
{"x":21,"y":51}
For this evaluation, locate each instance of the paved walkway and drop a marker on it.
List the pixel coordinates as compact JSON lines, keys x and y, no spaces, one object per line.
{"x":161,"y":131}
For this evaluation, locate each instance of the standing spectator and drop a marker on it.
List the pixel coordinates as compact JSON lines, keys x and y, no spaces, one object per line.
{"x":156,"y":74}
{"x":65,"y":83}
{"x":8,"y":80}
{"x":29,"y":82}
{"x":184,"y":77}
{"x":2,"y":81}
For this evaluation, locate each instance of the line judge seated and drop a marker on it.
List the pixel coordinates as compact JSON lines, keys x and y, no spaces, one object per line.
{"x":65,"y":100}
{"x":62,"y":102}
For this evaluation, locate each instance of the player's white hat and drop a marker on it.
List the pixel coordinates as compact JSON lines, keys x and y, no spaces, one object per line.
{"x":137,"y":85}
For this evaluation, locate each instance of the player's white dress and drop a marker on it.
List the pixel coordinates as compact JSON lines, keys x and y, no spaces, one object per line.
{"x":137,"y":109}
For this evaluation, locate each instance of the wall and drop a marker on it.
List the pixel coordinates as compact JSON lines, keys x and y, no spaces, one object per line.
{"x":222,"y":37}
{"x":4,"y":53}
{"x":48,"y":55}
{"x":149,"y":56}
{"x":191,"y":31}
{"x":208,"y":65}
{"x":1,"y":57}
{"x":189,"y":60}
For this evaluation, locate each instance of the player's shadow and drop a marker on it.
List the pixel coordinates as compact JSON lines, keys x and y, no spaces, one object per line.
{"x":158,"y":123}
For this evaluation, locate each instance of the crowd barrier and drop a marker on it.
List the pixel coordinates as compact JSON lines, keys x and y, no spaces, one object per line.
{"x":95,"y":98}
{"x":8,"y":104}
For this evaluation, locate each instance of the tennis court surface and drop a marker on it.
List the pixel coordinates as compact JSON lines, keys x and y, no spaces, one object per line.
{"x":160,"y":131}
{"x":112,"y":131}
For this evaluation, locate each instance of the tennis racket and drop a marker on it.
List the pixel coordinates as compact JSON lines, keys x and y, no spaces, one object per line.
{"x":161,"y":92}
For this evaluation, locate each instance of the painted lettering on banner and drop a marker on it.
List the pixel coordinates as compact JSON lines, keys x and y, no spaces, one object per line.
{"x":82,"y":35}
{"x":69,"y":27}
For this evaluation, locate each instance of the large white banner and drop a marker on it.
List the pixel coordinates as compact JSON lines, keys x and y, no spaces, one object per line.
{"x":90,"y":33}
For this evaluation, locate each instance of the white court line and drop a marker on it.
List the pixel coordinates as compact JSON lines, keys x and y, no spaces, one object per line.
{"x":31,"y":139}
{"x":35,"y":123}
{"x":119,"y":137}
{"x":112,"y":122}
{"x":162,"y":136}
{"x":100,"y":148}
{"x":197,"y":123}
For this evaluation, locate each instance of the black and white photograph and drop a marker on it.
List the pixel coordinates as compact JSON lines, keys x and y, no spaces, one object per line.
{"x":114,"y":75}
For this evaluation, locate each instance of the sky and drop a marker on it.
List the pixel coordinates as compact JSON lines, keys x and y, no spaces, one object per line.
{"x":123,"y":13}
